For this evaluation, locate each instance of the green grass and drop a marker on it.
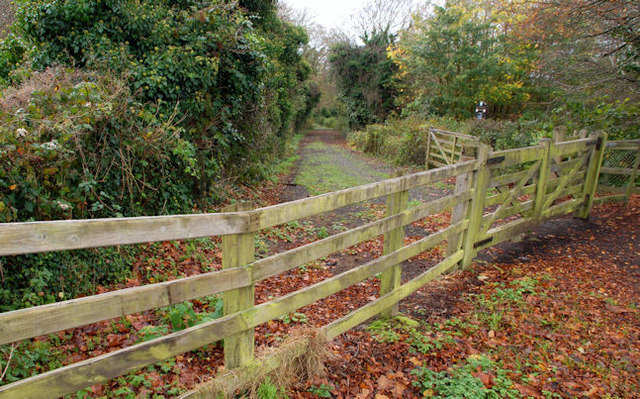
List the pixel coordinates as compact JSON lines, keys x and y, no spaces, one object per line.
{"x":323,"y":173}
{"x":284,"y":165}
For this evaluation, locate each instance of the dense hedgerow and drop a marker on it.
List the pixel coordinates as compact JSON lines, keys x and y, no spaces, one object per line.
{"x":78,"y":145}
{"x":126,"y":108}
{"x":223,"y":82}
{"x":232,"y":78}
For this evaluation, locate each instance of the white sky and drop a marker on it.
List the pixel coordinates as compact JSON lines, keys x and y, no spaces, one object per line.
{"x":328,"y":13}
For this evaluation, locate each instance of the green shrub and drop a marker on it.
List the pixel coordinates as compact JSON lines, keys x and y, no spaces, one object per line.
{"x":38,"y":279}
{"x":404,"y":141}
{"x":463,"y":381}
{"x":28,"y":358}
{"x":183,"y":316}
{"x":232,"y":81}
{"x":401,"y":141}
{"x":77,"y":145}
{"x":503,"y":134}
{"x":12,"y":50}
{"x":619,"y":119}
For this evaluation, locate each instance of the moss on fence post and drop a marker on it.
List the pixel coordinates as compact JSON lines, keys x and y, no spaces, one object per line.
{"x":238,"y":250}
{"x":393,"y":240}
{"x":543,"y":178}
{"x":482,"y":176}
{"x":461,"y":210}
{"x":593,"y":173}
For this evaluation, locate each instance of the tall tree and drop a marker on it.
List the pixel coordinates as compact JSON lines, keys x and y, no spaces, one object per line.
{"x":365,"y":78}
{"x":589,"y":46}
{"x":589,"y":56}
{"x":383,"y":16}
{"x":455,"y":57}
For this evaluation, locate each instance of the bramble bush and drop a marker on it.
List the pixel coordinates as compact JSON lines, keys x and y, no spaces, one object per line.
{"x":231,"y":75}
{"x":78,"y":145}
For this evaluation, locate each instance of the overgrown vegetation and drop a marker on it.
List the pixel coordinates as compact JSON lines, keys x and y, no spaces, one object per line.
{"x":123,"y":108}
{"x":364,"y":77}
{"x":231,"y":78}
{"x":539,"y":69}
{"x":404,"y":141}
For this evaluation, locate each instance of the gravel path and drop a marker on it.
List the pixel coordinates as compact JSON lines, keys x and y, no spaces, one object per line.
{"x":326,"y":164}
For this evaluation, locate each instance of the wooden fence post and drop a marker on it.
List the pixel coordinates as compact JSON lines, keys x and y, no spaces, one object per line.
{"x":461,"y":210}
{"x":593,"y":173}
{"x":238,"y":250}
{"x":453,"y":150}
{"x":482,"y":176}
{"x":393,"y":240}
{"x":543,"y":178}
{"x":428,"y":154}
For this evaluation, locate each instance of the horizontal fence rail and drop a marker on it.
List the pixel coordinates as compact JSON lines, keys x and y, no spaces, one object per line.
{"x":497,"y":195}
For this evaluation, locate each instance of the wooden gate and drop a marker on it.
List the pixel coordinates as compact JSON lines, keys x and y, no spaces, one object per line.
{"x":447,"y":148}
{"x":520,"y":188}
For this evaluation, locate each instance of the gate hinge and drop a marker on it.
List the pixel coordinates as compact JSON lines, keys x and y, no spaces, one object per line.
{"x":481,"y":243}
{"x":495,"y":160}
{"x":599,"y":143}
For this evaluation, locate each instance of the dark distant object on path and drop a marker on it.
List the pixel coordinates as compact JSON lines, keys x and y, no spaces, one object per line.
{"x":481,"y":110}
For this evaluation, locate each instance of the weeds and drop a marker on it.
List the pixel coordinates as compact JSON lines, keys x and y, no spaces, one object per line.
{"x":321,"y":391}
{"x":477,"y":377}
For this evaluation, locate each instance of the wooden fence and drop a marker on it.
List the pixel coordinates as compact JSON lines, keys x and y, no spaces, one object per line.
{"x":497,"y":195}
{"x":448,"y":148}
{"x":620,"y":173}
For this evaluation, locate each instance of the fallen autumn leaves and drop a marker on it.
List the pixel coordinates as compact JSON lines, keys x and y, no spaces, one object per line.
{"x":555,"y":315}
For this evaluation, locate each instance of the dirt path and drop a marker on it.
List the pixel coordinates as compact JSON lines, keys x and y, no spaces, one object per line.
{"x":327,"y":164}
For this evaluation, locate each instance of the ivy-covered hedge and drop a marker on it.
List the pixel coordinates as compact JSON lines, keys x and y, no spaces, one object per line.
{"x":78,"y":145}
{"x":126,"y":107}
{"x":231,"y":77}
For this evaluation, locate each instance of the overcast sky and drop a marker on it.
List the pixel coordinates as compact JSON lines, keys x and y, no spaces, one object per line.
{"x":328,"y":13}
{"x":338,"y":13}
